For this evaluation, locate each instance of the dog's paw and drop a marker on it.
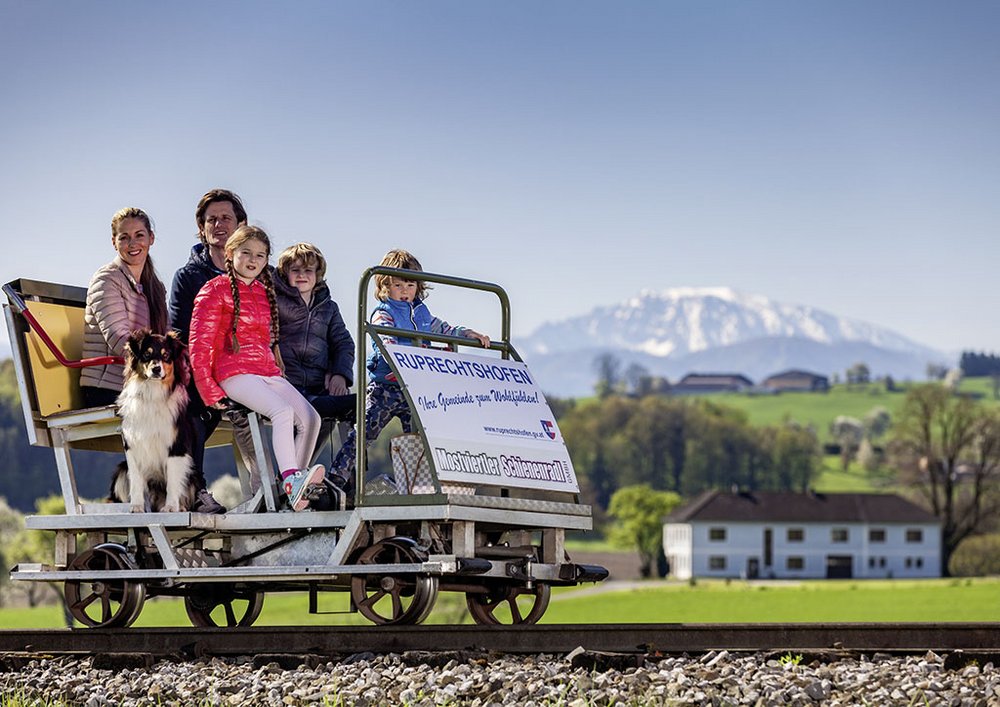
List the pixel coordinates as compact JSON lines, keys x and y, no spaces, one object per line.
{"x":138,"y":509}
{"x":168,"y":509}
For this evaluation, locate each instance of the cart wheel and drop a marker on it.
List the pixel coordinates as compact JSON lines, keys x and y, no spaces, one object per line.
{"x":393,"y":599}
{"x":509,"y":604}
{"x":104,"y":603}
{"x":223,"y":605}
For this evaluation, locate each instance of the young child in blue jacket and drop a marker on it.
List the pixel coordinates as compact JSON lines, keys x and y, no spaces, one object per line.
{"x":401,"y":305}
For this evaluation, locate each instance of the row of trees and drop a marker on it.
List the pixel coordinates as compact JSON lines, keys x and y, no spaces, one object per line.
{"x":682,"y":445}
{"x":979,"y":364}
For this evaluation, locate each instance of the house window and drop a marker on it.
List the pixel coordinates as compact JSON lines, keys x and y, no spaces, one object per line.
{"x":881,"y":562}
{"x":920,"y":562}
{"x":871,"y":563}
{"x":876,"y":535}
{"x":717,"y":534}
{"x":838,"y":535}
{"x":796,"y":535}
{"x":716,"y":562}
{"x":795,"y":563}
{"x":914,"y":535}
{"x":909,"y":562}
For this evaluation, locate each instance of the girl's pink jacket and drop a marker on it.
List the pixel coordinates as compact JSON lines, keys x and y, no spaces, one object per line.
{"x":210,"y":342}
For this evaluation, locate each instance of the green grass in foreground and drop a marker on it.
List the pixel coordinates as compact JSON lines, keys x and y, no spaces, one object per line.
{"x":812,"y":601}
{"x":653,"y":602}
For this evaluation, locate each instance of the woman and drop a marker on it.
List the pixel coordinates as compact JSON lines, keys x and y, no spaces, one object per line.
{"x":124,"y":295}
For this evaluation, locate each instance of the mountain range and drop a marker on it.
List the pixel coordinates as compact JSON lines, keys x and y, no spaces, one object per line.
{"x":715,"y":330}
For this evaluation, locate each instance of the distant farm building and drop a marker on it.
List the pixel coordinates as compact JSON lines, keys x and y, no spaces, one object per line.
{"x":802,"y":536}
{"x":701,"y":383}
{"x":797,"y":380}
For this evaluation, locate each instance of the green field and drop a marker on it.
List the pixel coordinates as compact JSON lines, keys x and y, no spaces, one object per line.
{"x":820,"y":409}
{"x":651,"y":602}
{"x":812,"y":601}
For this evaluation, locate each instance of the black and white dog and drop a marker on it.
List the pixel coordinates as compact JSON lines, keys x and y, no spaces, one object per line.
{"x":156,"y":428}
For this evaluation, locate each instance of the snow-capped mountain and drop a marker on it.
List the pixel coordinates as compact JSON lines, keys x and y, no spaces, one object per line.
{"x":684,"y":330}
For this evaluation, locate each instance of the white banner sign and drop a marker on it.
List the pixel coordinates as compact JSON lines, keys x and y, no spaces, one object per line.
{"x":486,"y":420}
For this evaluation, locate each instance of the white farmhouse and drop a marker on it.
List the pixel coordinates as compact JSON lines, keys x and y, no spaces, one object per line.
{"x":802,"y":536}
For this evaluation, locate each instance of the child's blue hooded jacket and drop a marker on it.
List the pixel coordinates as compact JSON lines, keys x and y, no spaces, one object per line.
{"x":404,"y":315}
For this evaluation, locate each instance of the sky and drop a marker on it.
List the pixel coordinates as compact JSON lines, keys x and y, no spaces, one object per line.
{"x":841,"y":154}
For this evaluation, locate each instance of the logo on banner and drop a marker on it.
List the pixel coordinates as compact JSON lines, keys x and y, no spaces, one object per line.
{"x":549,"y":428}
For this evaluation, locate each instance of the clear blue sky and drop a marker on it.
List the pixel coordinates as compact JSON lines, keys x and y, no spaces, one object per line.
{"x":842,"y":154}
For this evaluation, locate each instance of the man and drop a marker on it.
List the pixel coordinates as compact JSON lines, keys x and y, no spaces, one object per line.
{"x":219,"y":213}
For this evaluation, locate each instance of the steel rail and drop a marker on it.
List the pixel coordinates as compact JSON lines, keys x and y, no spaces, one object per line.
{"x":557,"y":638}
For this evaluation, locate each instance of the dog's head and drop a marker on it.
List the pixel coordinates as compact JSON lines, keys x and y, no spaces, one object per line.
{"x":152,"y":356}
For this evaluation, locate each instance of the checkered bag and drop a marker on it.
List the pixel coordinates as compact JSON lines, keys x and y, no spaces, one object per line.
{"x":412,"y":471}
{"x":409,"y":464}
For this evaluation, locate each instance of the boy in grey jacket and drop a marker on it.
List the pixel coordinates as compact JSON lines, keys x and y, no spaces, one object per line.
{"x":316,"y":348}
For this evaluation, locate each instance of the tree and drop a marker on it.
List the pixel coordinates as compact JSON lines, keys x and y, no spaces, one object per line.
{"x":637,"y":380}
{"x":609,"y":374}
{"x":936,"y":371}
{"x":795,"y":457}
{"x":868,"y":457}
{"x":977,"y":557}
{"x":848,"y":431}
{"x":638,"y":512}
{"x":876,"y":423}
{"x":11,"y":525}
{"x":975,"y":365}
{"x":947,"y":448}
{"x":858,"y":374}
{"x":39,"y":546}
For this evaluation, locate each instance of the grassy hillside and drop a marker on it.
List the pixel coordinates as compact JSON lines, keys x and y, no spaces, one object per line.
{"x":820,"y":409}
{"x":816,"y":409}
{"x":833,"y":479}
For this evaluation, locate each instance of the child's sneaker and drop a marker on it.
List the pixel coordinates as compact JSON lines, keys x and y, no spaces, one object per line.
{"x":295,"y":485}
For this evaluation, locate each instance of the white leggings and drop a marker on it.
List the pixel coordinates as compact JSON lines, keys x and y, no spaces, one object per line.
{"x":294,"y":422}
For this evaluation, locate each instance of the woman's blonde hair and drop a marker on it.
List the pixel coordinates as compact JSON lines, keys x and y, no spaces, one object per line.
{"x":240,"y":236}
{"x":305,"y":253}
{"x":152,"y":287}
{"x":398,"y":258}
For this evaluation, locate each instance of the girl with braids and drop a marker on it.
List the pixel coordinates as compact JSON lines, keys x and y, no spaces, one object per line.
{"x":124,"y":295}
{"x":235,"y":357}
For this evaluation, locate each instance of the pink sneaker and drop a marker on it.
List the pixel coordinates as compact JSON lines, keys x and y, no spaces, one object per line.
{"x":295,"y":485}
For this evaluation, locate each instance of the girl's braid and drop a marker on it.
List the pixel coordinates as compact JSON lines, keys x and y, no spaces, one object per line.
{"x":236,"y":302}
{"x":267,"y":280}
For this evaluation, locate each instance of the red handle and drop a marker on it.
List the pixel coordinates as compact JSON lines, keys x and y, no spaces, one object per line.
{"x":82,"y":363}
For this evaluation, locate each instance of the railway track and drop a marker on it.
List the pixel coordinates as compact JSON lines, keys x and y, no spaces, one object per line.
{"x":663,"y":639}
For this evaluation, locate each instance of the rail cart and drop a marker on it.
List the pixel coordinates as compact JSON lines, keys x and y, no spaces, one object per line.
{"x":489,"y":522}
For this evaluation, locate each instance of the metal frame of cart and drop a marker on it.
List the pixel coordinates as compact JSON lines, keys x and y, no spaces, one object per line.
{"x":392,"y":553}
